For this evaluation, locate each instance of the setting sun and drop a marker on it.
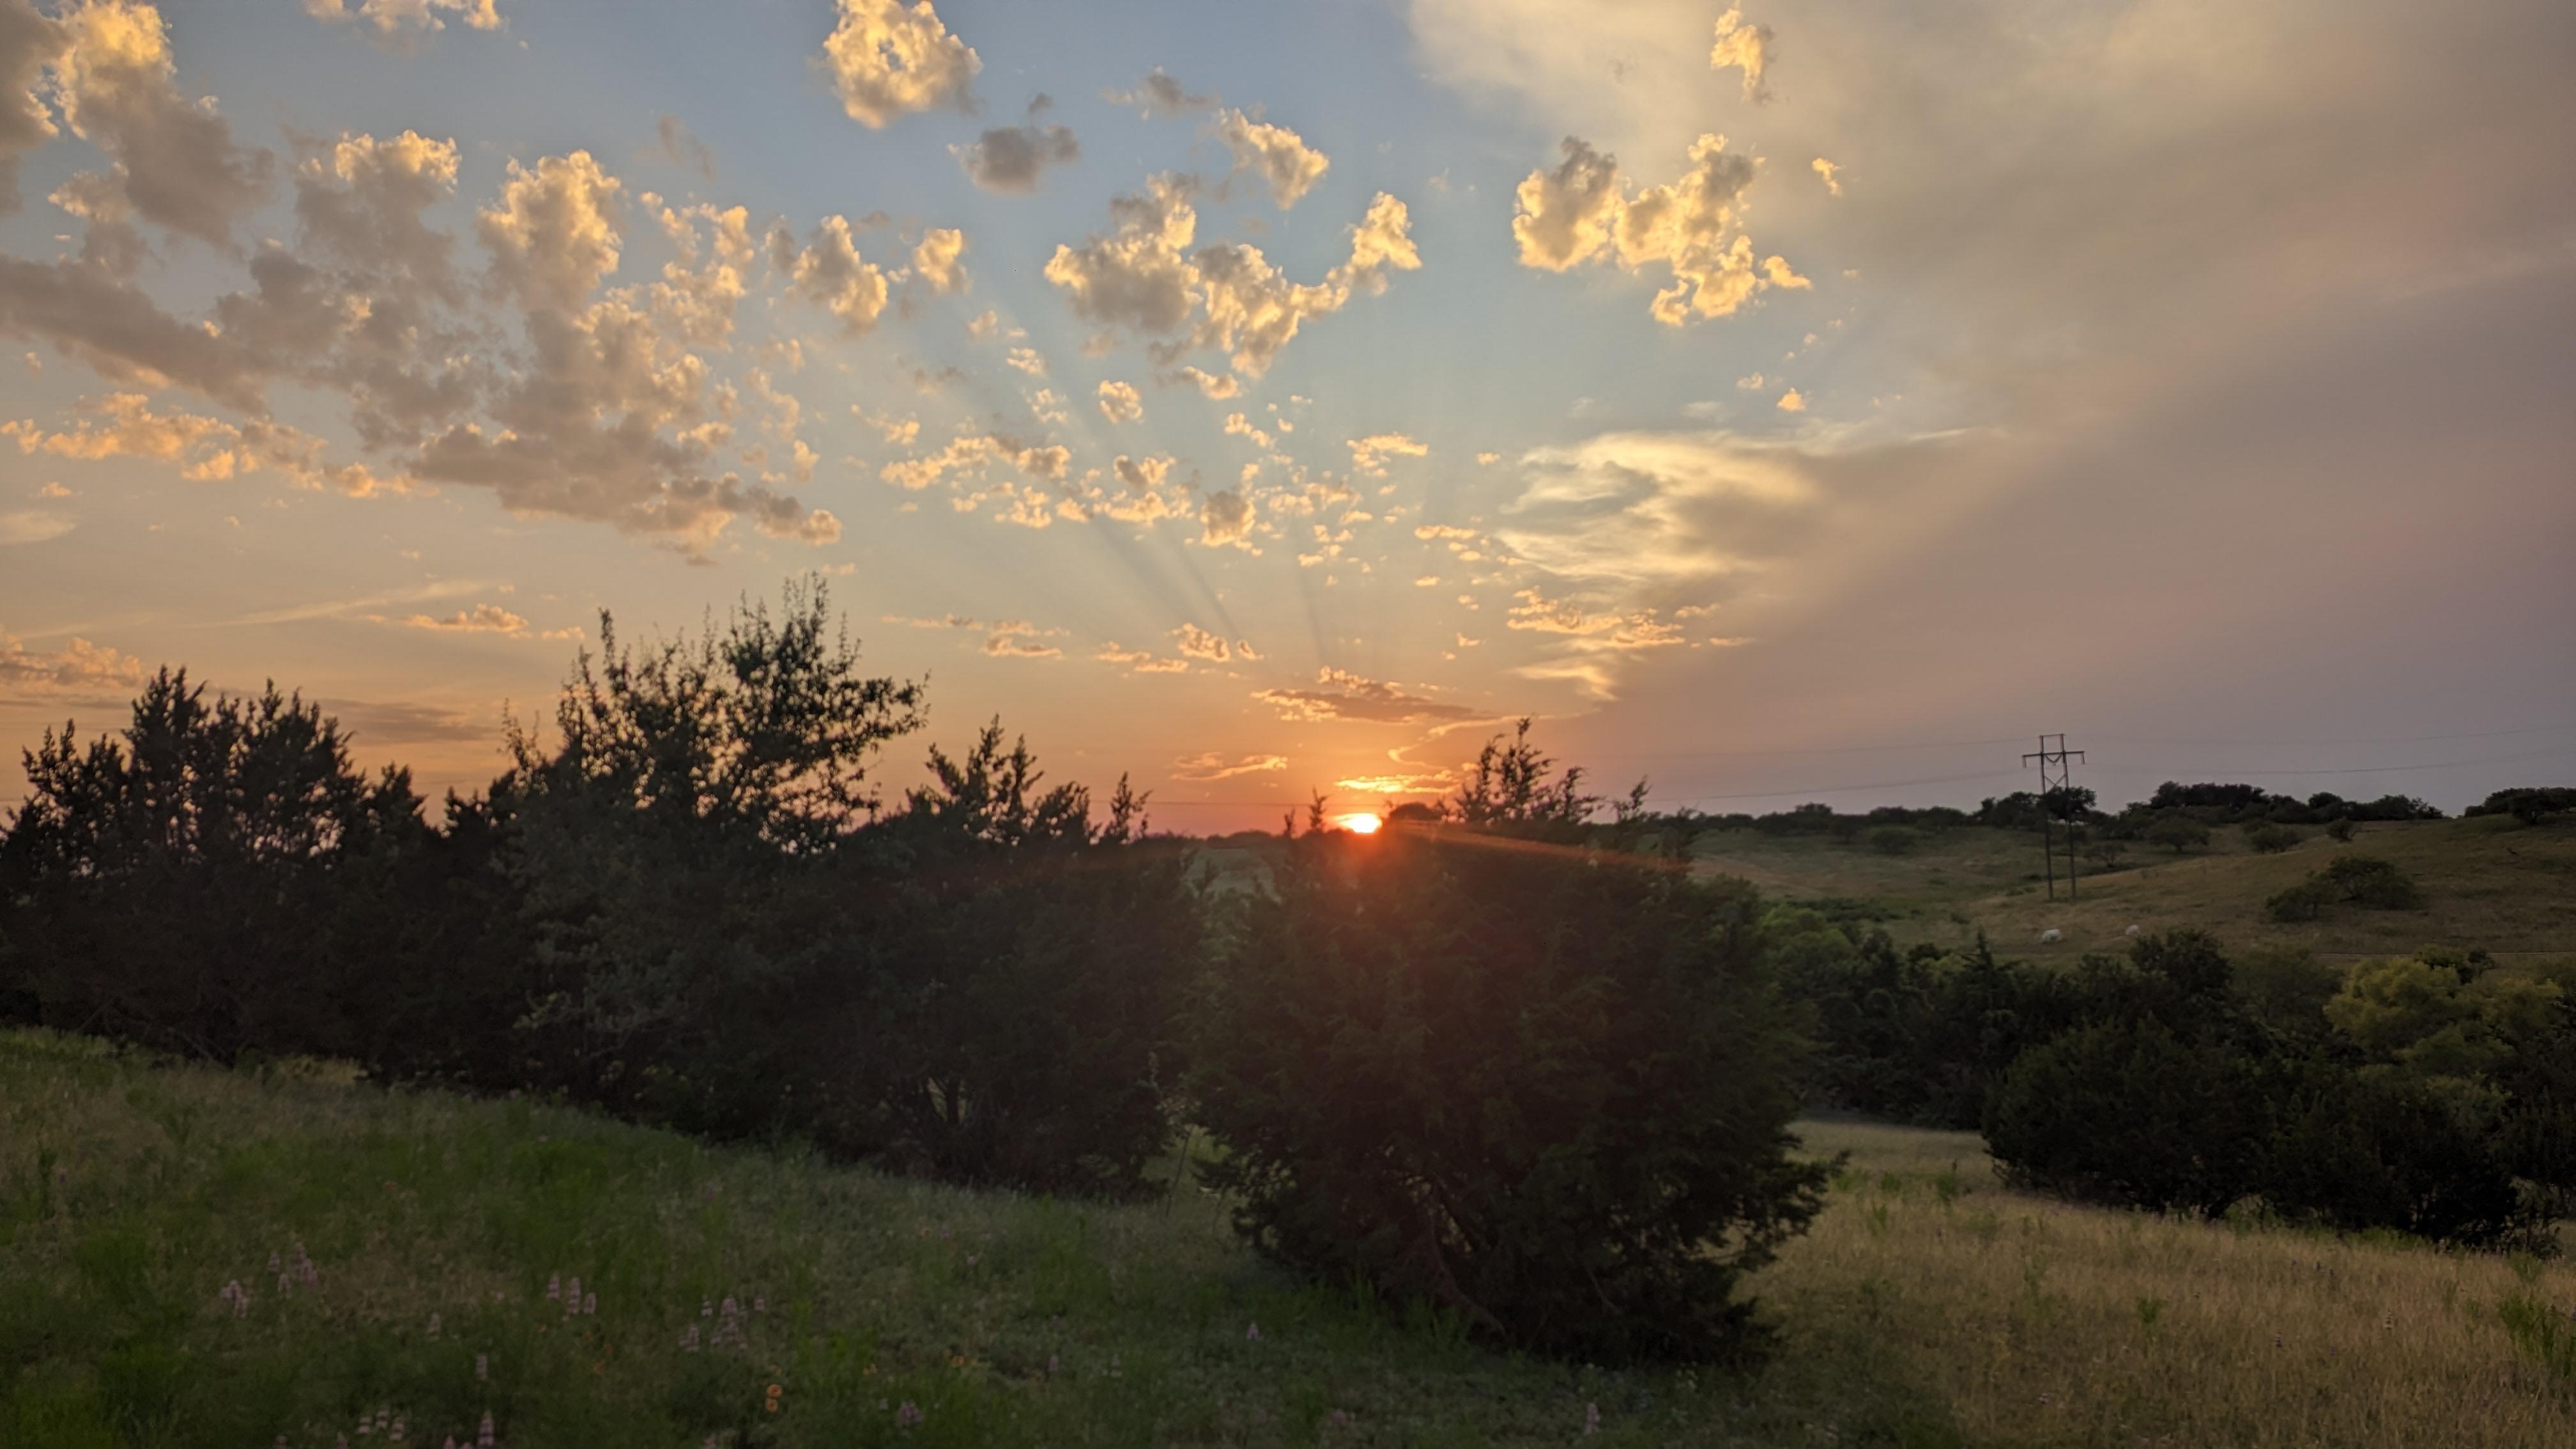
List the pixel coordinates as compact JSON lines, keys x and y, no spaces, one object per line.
{"x":1361,"y":824}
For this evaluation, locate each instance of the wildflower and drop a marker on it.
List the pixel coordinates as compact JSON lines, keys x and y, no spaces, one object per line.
{"x":590,"y":1305}
{"x":689,"y":1340}
{"x":760,"y":1305}
{"x":1051,"y":1363}
{"x":401,"y":1429}
{"x":482,"y":1368}
{"x":554,"y":1287}
{"x":1591,"y":1420}
{"x":236,"y":1295}
{"x":483,"y":1436}
{"x":433,"y":1326}
{"x":908,"y":1414}
{"x":274,"y":1265}
{"x":1252,"y":1334}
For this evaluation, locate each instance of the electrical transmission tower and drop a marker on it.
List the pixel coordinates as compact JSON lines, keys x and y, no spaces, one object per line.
{"x":2055,"y":773}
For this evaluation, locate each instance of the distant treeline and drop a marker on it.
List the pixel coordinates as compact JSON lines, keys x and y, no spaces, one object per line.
{"x":2433,"y":1095}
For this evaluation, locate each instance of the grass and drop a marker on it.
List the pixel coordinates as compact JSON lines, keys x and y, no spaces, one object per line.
{"x":2489,"y":882}
{"x":1928,"y":1308}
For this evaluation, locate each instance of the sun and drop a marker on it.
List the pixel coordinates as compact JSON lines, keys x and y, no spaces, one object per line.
{"x":1361,"y":824}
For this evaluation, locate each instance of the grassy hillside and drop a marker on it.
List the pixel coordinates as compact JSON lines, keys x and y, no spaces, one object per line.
{"x":2489,"y":882}
{"x":1928,"y":1308}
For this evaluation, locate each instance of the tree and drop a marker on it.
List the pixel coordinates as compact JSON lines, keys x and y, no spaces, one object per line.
{"x":188,"y":883}
{"x":2178,"y":833}
{"x":1546,"y":1092}
{"x":2130,"y":1115}
{"x":1508,"y":788}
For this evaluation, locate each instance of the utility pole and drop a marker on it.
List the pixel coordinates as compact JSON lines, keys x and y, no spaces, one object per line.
{"x":2055,"y":773}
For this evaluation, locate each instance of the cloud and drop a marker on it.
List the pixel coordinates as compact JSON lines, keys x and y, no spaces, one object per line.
{"x":1827,"y":169}
{"x":1369,"y":454}
{"x":1347,"y":696}
{"x":1142,"y":276}
{"x":395,"y":20}
{"x":1200,"y":769}
{"x":78,"y":668}
{"x":1218,"y":385}
{"x":481,"y":619}
{"x":401,"y":722}
{"x":1197,"y":643}
{"x":939,"y":260}
{"x":1160,"y":95}
{"x":29,"y":41}
{"x":1582,"y":211}
{"x":1226,"y":516}
{"x":1639,"y":509}
{"x":1120,"y":402}
{"x":972,"y":453}
{"x":204,"y":449}
{"x":1139,"y":661}
{"x":1010,"y":159}
{"x":361,"y":203}
{"x":1793,"y":401}
{"x":553,"y":235}
{"x":1742,"y":47}
{"x":674,"y":142}
{"x":830,"y":273}
{"x":1279,"y":156}
{"x":175,"y":158}
{"x":1016,"y":639}
{"x":887,"y":61}
{"x":1028,"y":360}
{"x":29,"y":526}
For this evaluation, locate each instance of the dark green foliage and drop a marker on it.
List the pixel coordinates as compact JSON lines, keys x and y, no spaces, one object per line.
{"x":2379,"y":1149}
{"x":2271,"y":839}
{"x":2360,"y":880}
{"x":200,"y":882}
{"x":2178,"y":833}
{"x":2130,"y":1114}
{"x":1893,"y":839}
{"x":1026,"y":971}
{"x":1509,"y":785}
{"x":2530,"y":806}
{"x":2339,"y":829}
{"x":1546,"y":1091}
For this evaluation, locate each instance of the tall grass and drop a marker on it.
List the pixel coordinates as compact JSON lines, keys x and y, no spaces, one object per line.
{"x":748,"y":1298}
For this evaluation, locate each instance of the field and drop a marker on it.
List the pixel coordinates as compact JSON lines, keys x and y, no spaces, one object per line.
{"x":748,"y":1298}
{"x":2489,"y":882}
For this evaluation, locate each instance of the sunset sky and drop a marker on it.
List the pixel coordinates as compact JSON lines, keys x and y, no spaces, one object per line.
{"x":1807,"y":401}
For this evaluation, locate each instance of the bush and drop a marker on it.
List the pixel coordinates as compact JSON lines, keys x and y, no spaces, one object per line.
{"x":2302,"y":902}
{"x":1544,"y":1092}
{"x":2340,"y":829}
{"x":2132,"y":1116}
{"x":2271,"y":839}
{"x":2178,"y":833}
{"x":1893,"y":839}
{"x":2374,"y":1149}
{"x":2530,"y":806}
{"x":2373,"y":883}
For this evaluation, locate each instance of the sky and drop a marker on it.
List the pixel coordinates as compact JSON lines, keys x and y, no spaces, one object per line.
{"x":1785,"y":402}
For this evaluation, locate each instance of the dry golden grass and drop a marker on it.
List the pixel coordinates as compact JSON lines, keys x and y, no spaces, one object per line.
{"x":2488,"y":882}
{"x":2042,"y":1323}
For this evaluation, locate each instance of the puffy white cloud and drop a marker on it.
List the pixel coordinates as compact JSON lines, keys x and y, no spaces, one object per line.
{"x":972,"y":453}
{"x":1028,"y":360}
{"x":1279,"y":156}
{"x":115,"y":82}
{"x":1226,"y":516}
{"x":553,"y":234}
{"x":1200,"y":769}
{"x":204,"y":449}
{"x":1793,"y":401}
{"x":1582,"y":211}
{"x":1197,"y":643}
{"x":1010,"y":159}
{"x":706,"y":279}
{"x":1742,"y":47}
{"x":1160,"y":95}
{"x":29,"y":41}
{"x":396,"y":20}
{"x":887,"y":60}
{"x":361,"y":203}
{"x":1018,"y":639}
{"x":1142,"y":276}
{"x":79,"y":667}
{"x":830,"y":273}
{"x":1218,"y":385}
{"x":1342,"y":695}
{"x":1369,"y":454}
{"x":939,"y":260}
{"x":1120,"y":402}
{"x":114,"y":326}
{"x":1827,"y":170}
